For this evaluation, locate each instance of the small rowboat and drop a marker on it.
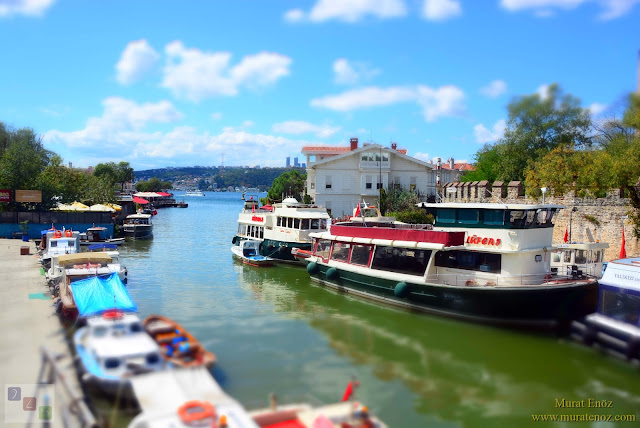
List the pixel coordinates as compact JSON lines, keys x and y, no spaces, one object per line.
{"x":178,"y":345}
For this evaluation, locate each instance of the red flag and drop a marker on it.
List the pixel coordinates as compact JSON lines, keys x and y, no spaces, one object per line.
{"x":357,"y":213}
{"x":349,"y":390}
{"x":566,"y":235}
{"x":623,"y":250}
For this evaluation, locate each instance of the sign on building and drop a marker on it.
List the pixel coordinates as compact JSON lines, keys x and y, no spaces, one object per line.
{"x":28,"y":196}
{"x":5,"y":195}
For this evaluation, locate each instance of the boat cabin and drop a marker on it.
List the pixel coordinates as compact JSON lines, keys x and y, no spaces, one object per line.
{"x":619,"y":287}
{"x":579,"y":259}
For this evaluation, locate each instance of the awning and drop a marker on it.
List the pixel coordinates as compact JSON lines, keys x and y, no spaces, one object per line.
{"x":164,"y":194}
{"x":140,"y":201}
{"x":101,"y":207}
{"x":147,"y":194}
{"x":115,"y":206}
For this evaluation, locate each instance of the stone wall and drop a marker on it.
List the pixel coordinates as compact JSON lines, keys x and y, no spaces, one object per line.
{"x":587,"y":219}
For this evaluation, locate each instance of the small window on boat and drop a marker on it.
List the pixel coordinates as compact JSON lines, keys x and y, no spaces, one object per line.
{"x":360,"y":254}
{"x":152,"y":358}
{"x":596,"y":257}
{"x":135,"y":328}
{"x":556,"y":258}
{"x":315,"y":223}
{"x":53,"y":243}
{"x":296,"y":223}
{"x":261,"y":232}
{"x":567,"y":257}
{"x":72,"y":243}
{"x":581,"y":257}
{"x":446,"y":215}
{"x":323,"y":223}
{"x":322,"y":248}
{"x":289,"y":222}
{"x":531,"y":217}
{"x":279,"y":221}
{"x":100,"y":331}
{"x":621,"y":306}
{"x":469,"y":260}
{"x":517,"y":219}
{"x":401,"y":260}
{"x":494,"y":217}
{"x":467,"y":216}
{"x":340,"y":251}
{"x":111,"y":363}
{"x":305,"y":223}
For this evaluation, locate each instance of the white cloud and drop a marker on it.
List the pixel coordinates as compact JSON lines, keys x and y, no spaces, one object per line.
{"x":543,"y":91}
{"x":349,"y":11}
{"x":443,"y":101}
{"x":24,"y":7}
{"x":194,"y":75}
{"x":440,"y":10}
{"x":611,"y":8}
{"x":596,"y":109}
{"x":494,"y":89}
{"x":351,"y":73}
{"x":136,"y":60}
{"x":121,"y":118}
{"x":300,"y":127}
{"x":216,"y":116}
{"x":422,"y":156}
{"x":484,"y":135}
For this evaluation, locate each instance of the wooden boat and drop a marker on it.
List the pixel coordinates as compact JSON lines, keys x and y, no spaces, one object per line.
{"x":486,"y":263}
{"x":300,"y":254}
{"x":249,"y":252}
{"x":179,"y":347}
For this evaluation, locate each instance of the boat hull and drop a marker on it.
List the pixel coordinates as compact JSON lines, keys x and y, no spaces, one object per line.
{"x":280,"y":251}
{"x":138,"y":232}
{"x":521,"y":306}
{"x":114,"y":241}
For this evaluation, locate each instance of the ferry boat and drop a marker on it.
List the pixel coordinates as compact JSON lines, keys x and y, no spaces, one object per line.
{"x":194,"y":192}
{"x":480,"y":262}
{"x":579,"y":258}
{"x":280,"y":227}
{"x":138,"y":226}
{"x":615,"y":326}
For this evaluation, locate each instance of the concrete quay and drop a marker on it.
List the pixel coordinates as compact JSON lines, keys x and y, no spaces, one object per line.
{"x":30,"y":322}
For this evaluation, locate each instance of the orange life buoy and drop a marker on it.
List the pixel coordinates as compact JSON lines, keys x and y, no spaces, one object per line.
{"x":57,"y":234}
{"x":68,"y":233}
{"x":194,"y":411}
{"x":470,"y":282}
{"x":113,"y":314}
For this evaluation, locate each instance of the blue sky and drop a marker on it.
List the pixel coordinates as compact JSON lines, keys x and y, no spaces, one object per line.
{"x":181,"y":83}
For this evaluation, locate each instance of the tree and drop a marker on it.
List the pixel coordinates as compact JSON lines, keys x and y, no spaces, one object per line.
{"x":124,"y":174}
{"x":536,"y":125}
{"x":153,"y":185}
{"x":487,"y":163}
{"x":290,"y":184}
{"x":60,"y":184}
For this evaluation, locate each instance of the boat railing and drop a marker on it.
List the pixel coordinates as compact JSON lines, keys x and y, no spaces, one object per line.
{"x":495,"y":280}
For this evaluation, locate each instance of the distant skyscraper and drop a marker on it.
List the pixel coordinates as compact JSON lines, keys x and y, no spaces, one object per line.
{"x":295,"y":162}
{"x":288,"y":161}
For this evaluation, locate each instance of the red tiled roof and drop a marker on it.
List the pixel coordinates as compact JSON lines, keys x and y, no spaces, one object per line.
{"x":402,"y":151}
{"x":459,"y":166}
{"x":325,"y":149}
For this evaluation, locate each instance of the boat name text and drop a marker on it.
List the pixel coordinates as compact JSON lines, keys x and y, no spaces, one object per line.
{"x":483,"y":241}
{"x":256,"y":218}
{"x":626,"y":277}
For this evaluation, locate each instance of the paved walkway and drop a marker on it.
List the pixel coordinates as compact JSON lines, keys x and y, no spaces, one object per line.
{"x":28,"y":323}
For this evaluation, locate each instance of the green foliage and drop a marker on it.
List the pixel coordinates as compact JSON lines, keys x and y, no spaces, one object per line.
{"x":153,"y":185}
{"x":24,"y":226}
{"x":591,"y":219}
{"x":290,"y":184}
{"x":60,"y":184}
{"x":395,"y":199}
{"x":414,"y":216}
{"x":120,"y":173}
{"x":487,"y":163}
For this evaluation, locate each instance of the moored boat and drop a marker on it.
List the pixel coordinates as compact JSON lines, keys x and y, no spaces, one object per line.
{"x":178,"y":346}
{"x":248,"y":251}
{"x":280,"y":227}
{"x":96,"y":235}
{"x":138,"y":226}
{"x":194,"y":192}
{"x":481,"y":262}
{"x":579,"y":258}
{"x":58,"y":242}
{"x":615,"y":326}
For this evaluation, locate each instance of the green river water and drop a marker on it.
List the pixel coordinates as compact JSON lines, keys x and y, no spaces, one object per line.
{"x":274,"y":331}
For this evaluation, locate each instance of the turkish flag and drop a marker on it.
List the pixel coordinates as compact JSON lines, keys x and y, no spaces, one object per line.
{"x":623,"y":250}
{"x":348,"y":391}
{"x":566,"y":235}
{"x":357,"y":213}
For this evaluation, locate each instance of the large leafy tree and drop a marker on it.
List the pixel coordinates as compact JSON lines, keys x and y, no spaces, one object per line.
{"x":291,"y":183}
{"x":536,"y":125}
{"x":60,"y":184}
{"x":154,"y":184}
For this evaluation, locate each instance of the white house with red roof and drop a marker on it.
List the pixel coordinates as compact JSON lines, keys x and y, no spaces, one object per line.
{"x":339,"y":177}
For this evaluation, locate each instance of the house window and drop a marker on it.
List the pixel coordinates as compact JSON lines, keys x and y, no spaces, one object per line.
{"x":369,"y":183}
{"x":412,"y":183}
{"x":327,"y":182}
{"x":313,"y":185}
{"x":385,"y":157}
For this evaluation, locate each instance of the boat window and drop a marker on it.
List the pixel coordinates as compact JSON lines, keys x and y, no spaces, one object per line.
{"x":469,"y":260}
{"x":305,"y":223}
{"x":289,"y":222}
{"x":621,"y":306}
{"x":596,"y":257}
{"x":100,"y":331}
{"x":360,"y":254}
{"x":567,"y":256}
{"x":53,"y":244}
{"x":517,"y":219}
{"x":446,"y":215}
{"x":111,"y":363}
{"x":135,"y":328}
{"x":340,"y":251}
{"x":322,"y":248}
{"x":118,"y":330}
{"x":314,"y":223}
{"x":279,"y":221}
{"x":542,"y":217}
{"x":556,"y":258}
{"x":581,"y":257}
{"x":401,"y":260}
{"x":468,"y":216}
{"x":296,"y":223}
{"x":152,"y":359}
{"x":531,"y":216}
{"x":261,"y":232}
{"x":494,"y":217}
{"x":71,"y":243}
{"x":323,"y":223}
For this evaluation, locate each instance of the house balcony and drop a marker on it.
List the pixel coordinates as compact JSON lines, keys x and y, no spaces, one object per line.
{"x":375,"y":165}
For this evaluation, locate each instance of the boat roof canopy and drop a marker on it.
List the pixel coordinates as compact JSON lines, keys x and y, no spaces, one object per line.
{"x":80,"y":258}
{"x":488,"y":206}
{"x":98,"y":294}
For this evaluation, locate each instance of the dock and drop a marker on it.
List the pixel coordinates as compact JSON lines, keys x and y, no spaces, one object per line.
{"x":33,"y":346}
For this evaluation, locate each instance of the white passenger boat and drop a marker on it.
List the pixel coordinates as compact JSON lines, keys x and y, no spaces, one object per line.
{"x":615,"y":326}
{"x":96,"y":235}
{"x":579,"y":258}
{"x":138,"y":226}
{"x":57,"y":242}
{"x":481,"y":262}
{"x":280,"y":227}
{"x":194,"y":192}
{"x":109,"y":262}
{"x":248,"y":252}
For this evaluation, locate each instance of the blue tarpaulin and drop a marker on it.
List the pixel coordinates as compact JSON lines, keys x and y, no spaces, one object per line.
{"x":98,"y":294}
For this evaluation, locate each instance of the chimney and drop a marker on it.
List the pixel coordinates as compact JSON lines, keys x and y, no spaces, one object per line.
{"x":354,"y":143}
{"x":451,"y":162}
{"x":394,"y":146}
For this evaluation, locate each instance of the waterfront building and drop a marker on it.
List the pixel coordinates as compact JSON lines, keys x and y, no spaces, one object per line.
{"x":338,"y":177}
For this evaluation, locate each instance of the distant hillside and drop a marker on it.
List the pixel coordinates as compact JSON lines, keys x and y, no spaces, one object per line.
{"x":261,"y":178}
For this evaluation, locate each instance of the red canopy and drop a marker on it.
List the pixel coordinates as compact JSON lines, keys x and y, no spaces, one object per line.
{"x":140,"y":201}
{"x":163,"y":193}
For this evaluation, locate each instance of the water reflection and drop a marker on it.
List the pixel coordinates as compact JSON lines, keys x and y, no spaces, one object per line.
{"x":459,"y":372}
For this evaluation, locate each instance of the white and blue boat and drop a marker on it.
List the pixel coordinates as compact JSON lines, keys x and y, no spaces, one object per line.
{"x":249,"y":252}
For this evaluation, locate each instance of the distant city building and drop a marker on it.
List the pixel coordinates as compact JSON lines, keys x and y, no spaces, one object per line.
{"x":295,"y":162}
{"x":288,"y":161}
